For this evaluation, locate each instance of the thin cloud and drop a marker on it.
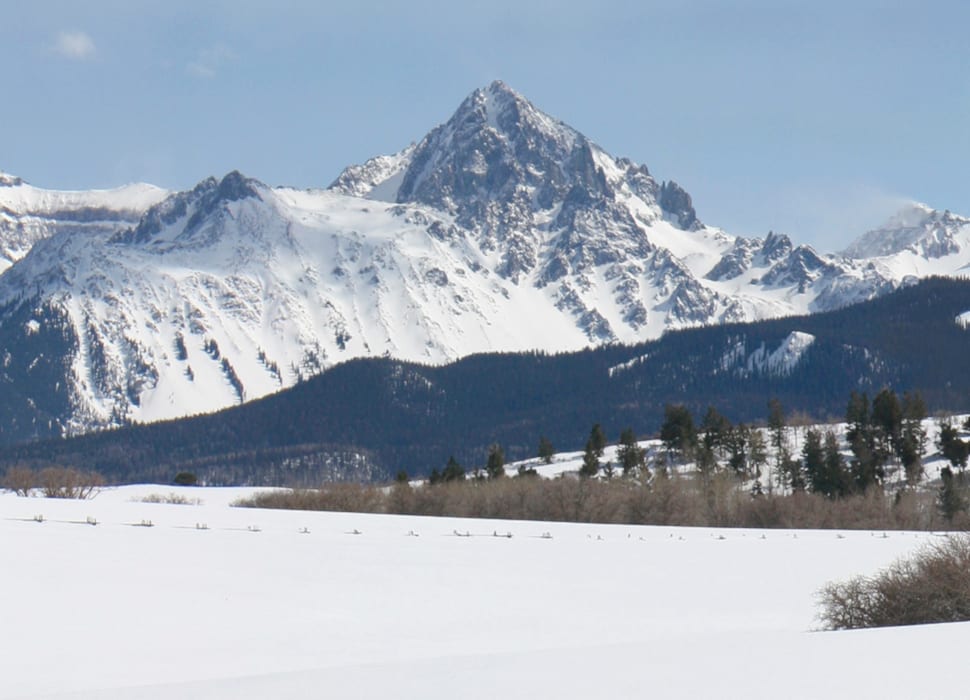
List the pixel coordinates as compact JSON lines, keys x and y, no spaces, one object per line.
{"x":76,"y":46}
{"x":210,"y":61}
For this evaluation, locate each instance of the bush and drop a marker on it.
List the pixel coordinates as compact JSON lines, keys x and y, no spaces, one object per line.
{"x":20,"y":480}
{"x":66,"y":482}
{"x":346,"y":498}
{"x":171,"y":499}
{"x":717,"y":499}
{"x":185,"y":479}
{"x":931,"y":587}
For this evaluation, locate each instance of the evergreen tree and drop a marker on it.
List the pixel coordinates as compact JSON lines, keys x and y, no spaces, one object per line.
{"x":591,"y":463}
{"x":677,"y":432}
{"x":868,"y":459}
{"x":777,"y":425}
{"x":913,"y":442}
{"x":914,"y":413}
{"x":857,"y":416}
{"x":737,"y":441}
{"x":837,"y":476}
{"x":546,"y":450}
{"x":453,"y":471}
{"x":778,"y":430}
{"x":608,"y":470}
{"x":813,"y":460}
{"x":791,"y":472}
{"x":951,"y":446}
{"x":597,"y":439}
{"x":630,"y":455}
{"x":495,"y":467}
{"x":715,"y":428}
{"x":757,"y":454}
{"x":705,"y":459}
{"x":950,"y":497}
{"x":887,"y":418}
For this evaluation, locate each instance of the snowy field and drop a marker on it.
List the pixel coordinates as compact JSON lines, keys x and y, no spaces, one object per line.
{"x":220,"y":602}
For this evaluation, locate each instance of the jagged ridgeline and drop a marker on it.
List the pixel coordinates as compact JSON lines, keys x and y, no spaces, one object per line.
{"x":368,"y":418}
{"x":502,"y":230}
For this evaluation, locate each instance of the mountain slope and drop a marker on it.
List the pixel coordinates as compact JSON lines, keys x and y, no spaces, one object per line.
{"x":367,"y":418}
{"x":29,"y":214}
{"x":503,"y":229}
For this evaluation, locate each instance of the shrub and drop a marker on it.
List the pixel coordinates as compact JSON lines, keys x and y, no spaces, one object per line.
{"x":349,"y":498}
{"x":717,"y":499}
{"x":67,"y":482}
{"x":932,"y":586}
{"x":20,"y":480}
{"x":185,"y":479}
{"x":171,"y":499}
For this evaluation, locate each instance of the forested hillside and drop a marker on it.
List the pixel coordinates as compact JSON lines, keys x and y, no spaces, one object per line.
{"x":367,"y":419}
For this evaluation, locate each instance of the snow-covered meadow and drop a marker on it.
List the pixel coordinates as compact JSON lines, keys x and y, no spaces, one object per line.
{"x":213,"y":601}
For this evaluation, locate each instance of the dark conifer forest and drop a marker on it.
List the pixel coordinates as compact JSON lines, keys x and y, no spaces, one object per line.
{"x":368,"y":419}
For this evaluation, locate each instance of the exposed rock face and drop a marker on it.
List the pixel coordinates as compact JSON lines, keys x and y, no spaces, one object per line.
{"x":677,"y":203}
{"x":916,"y":229}
{"x":503,"y":229}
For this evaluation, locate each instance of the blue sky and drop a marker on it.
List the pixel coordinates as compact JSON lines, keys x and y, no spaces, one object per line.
{"x":812,"y":118}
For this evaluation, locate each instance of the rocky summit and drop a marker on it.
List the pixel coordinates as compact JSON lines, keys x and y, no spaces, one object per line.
{"x":503,"y":229}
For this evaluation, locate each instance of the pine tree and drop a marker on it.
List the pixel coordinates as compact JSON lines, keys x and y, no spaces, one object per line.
{"x":757,"y":453}
{"x":677,"y":432}
{"x":715,"y":428}
{"x":737,"y":442}
{"x":887,"y":418}
{"x":591,"y":463}
{"x":951,"y":446}
{"x":950,"y":498}
{"x":495,"y":467}
{"x":453,"y":471}
{"x":913,"y":443}
{"x":836,"y":474}
{"x":546,"y":450}
{"x":778,"y":429}
{"x":813,"y":460}
{"x":630,"y":455}
{"x":868,"y":459}
{"x":598,"y":439}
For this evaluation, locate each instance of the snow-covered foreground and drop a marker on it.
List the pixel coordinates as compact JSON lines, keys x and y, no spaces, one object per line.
{"x":278,"y":604}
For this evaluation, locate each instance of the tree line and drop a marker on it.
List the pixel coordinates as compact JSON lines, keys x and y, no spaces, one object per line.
{"x":883,"y":437}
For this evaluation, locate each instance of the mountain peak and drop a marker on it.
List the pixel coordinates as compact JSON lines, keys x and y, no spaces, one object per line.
{"x":917,"y":227}
{"x":196,"y":204}
{"x":910,"y":215}
{"x":8,"y":180}
{"x":499,"y":90}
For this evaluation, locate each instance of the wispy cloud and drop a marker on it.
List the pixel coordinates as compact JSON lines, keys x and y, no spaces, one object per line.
{"x":77,"y":46}
{"x":210,"y":61}
{"x":831,"y":216}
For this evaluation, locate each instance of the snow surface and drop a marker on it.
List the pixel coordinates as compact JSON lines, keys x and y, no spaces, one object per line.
{"x":251,"y":607}
{"x":778,"y":362}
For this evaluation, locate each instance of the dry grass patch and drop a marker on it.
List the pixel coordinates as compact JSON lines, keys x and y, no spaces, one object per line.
{"x":171,"y":499}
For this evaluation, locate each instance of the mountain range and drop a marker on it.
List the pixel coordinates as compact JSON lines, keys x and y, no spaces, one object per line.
{"x":503,"y":229}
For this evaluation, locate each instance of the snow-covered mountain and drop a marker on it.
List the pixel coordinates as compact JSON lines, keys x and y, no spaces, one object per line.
{"x":917,"y":235}
{"x":502,"y":229}
{"x":29,"y":214}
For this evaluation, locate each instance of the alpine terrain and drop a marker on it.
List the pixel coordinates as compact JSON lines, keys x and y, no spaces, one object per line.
{"x":503,"y":229}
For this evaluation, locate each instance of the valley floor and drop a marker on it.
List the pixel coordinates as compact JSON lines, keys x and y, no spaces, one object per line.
{"x":219,"y":602}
